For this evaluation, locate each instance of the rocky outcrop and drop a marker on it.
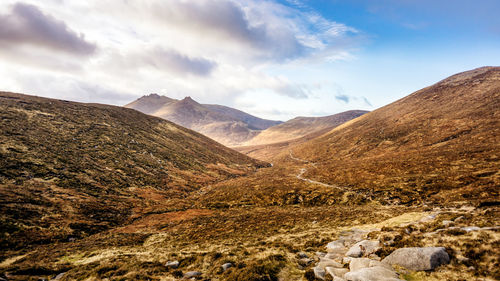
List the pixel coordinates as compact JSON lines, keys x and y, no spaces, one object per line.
{"x":418,"y":258}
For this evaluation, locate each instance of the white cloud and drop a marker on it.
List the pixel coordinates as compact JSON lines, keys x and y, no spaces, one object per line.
{"x":213,"y":50}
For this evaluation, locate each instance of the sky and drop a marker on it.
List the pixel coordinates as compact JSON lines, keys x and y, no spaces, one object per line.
{"x":275,"y":59}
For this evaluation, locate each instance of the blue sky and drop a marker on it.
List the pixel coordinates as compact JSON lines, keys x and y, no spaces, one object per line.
{"x":273,"y":58}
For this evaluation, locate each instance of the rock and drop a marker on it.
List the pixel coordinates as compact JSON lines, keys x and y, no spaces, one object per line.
{"x":319,"y":273}
{"x":58,"y":276}
{"x":335,"y":278}
{"x":336,"y":247}
{"x":334,"y":256}
{"x":320,"y":254}
{"x":418,"y":258}
{"x":336,"y":272}
{"x":302,"y":255}
{"x":191,"y":274}
{"x":346,"y":260}
{"x":359,"y":263}
{"x":365,"y":247}
{"x":172,"y":264}
{"x":376,"y":273}
{"x":226,"y":266}
{"x":374,"y":257}
{"x":470,"y":228}
{"x":447,"y":222}
{"x":324,"y":262}
{"x":305,"y":262}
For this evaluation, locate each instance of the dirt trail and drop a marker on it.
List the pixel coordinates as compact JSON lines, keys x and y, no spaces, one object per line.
{"x":303,"y":170}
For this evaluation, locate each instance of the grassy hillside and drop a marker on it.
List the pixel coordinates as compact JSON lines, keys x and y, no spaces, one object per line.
{"x":69,"y":169}
{"x":442,"y":142}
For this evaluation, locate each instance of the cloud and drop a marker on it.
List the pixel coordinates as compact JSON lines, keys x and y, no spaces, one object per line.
{"x":174,"y":61}
{"x":27,"y":24}
{"x":341,"y":97}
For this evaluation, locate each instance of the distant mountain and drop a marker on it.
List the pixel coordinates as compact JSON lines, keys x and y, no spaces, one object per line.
{"x":302,"y":126}
{"x":441,"y":143}
{"x":226,"y":125}
{"x":73,"y":169}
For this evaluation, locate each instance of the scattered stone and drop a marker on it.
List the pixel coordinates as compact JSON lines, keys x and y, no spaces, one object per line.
{"x":359,"y":263}
{"x":302,"y":255}
{"x":447,"y":222}
{"x":336,"y":272}
{"x":334,"y":256}
{"x":58,"y":276}
{"x":365,"y":247}
{"x":374,"y":257}
{"x":324,"y":262}
{"x":172,"y":264}
{"x":376,"y":273}
{"x":319,"y":272}
{"x":336,"y":247}
{"x":320,"y":254}
{"x":471,"y":228}
{"x":418,"y":259}
{"x":305,"y":262}
{"x":226,"y":266}
{"x":191,"y":274}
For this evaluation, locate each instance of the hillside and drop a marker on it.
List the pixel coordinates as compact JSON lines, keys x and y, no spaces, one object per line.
{"x":302,"y":126}
{"x":69,"y":169}
{"x":442,"y":143}
{"x":226,"y":125}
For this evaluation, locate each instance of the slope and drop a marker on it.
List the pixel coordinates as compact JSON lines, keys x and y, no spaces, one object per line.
{"x":442,"y":142}
{"x":69,"y":169}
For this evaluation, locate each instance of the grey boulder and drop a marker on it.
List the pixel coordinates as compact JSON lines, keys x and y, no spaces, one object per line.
{"x":418,"y":259}
{"x":363,"y":248}
{"x":376,"y":273}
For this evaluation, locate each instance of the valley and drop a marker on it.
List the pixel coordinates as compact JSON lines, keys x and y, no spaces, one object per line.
{"x":98,"y":192}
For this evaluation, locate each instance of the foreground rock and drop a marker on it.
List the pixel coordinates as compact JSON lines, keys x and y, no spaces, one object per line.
{"x":363,"y":248}
{"x":376,"y":273}
{"x":418,"y":259}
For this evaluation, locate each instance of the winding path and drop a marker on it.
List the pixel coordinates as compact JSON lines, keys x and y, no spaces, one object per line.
{"x":303,"y":170}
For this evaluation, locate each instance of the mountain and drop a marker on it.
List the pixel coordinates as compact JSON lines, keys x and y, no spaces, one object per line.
{"x":69,"y":169}
{"x":226,"y":125}
{"x":302,"y":126}
{"x":439,"y":143}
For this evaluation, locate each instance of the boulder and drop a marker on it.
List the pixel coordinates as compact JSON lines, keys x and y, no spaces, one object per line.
{"x":376,"y":273}
{"x":418,"y":259}
{"x":363,"y":248}
{"x":319,"y":272}
{"x":324,"y":262}
{"x":172,"y":264}
{"x":335,"y":278}
{"x":191,"y":274}
{"x":359,"y":263}
{"x":336,"y":272}
{"x":226,"y":266}
{"x":336,"y":247}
